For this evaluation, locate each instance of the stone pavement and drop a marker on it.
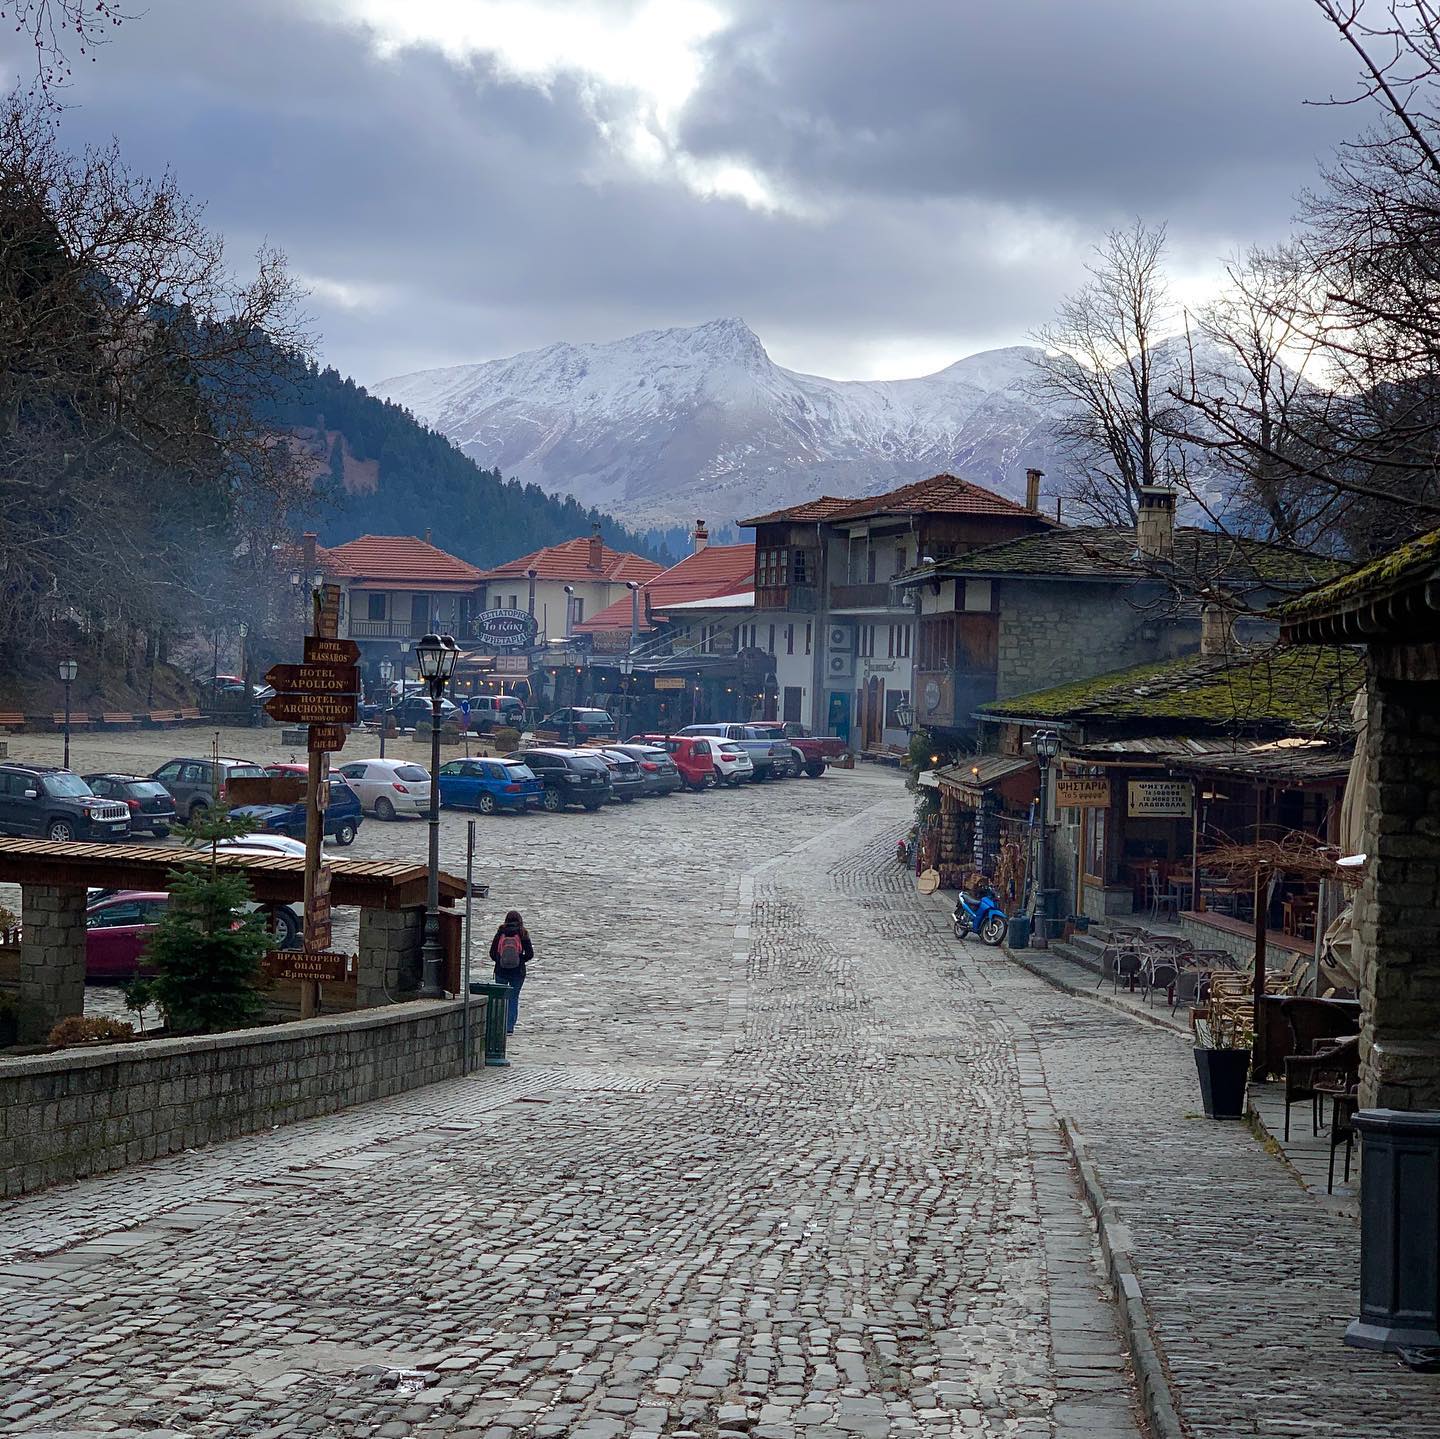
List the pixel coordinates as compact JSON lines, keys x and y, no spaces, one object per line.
{"x":1249,"y":1278}
{"x":775,"y":1158}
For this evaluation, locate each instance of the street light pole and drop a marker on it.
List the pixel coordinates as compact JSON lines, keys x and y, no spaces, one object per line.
{"x":67,"y":675}
{"x":387,"y":673}
{"x":435,"y":655}
{"x":1046,"y":744}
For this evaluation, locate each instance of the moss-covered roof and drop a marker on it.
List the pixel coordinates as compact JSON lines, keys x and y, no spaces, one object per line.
{"x":1106,"y":552}
{"x":1295,"y":691}
{"x":1413,"y":563}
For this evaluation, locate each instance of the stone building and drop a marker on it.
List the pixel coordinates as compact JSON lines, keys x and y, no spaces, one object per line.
{"x":1392,"y":607}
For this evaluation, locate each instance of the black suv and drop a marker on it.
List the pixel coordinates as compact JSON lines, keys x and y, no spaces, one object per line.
{"x":39,"y":800}
{"x":569,"y":777}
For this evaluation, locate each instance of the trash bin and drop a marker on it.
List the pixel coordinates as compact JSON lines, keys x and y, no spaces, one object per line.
{"x":1018,"y":936}
{"x":1399,"y":1233}
{"x":496,"y":998}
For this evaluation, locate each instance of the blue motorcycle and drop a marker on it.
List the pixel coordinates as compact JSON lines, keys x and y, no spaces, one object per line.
{"x":979,"y":914}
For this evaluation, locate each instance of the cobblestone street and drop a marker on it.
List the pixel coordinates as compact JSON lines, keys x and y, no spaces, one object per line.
{"x":775,"y":1157}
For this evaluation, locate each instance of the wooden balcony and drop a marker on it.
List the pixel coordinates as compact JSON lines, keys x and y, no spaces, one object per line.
{"x":863,"y":597}
{"x":798,"y":599}
{"x":385,"y":630}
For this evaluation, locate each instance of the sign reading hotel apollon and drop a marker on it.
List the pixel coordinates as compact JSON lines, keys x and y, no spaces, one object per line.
{"x":1074,"y":792}
{"x":1161,"y":799}
{"x":506,"y":629}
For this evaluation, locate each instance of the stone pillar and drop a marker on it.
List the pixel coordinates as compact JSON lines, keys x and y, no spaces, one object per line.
{"x":388,"y":965}
{"x":1397,"y":913}
{"x":52,"y":959}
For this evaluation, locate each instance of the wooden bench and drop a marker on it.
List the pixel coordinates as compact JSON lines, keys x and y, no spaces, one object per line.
{"x":77,"y":721}
{"x":189,"y":716}
{"x":12,"y":720}
{"x":118,"y":719}
{"x":164,"y":719}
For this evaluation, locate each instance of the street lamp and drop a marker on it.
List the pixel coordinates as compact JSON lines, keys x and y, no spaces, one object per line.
{"x":1046,"y":744}
{"x":387,"y":673}
{"x":68,"y":669}
{"x":905,"y":715}
{"x":436,"y":656}
{"x":627,"y":671}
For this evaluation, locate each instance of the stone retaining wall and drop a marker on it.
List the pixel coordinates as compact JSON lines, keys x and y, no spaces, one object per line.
{"x":83,"y":1111}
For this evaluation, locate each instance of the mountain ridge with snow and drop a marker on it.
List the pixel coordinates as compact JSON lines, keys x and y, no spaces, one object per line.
{"x":666,"y":425}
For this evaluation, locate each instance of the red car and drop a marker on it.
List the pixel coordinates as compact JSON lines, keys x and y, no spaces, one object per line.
{"x":694,"y":756}
{"x":117,"y":929}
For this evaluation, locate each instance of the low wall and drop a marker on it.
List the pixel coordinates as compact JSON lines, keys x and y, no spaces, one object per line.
{"x":86,"y":1110}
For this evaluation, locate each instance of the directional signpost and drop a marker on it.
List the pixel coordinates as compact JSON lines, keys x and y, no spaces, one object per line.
{"x":321,"y":693}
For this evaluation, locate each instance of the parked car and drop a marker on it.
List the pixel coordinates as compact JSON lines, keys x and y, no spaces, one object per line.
{"x":195,"y":783}
{"x":49,"y":803}
{"x":415,"y":709}
{"x":769,"y":757}
{"x":342,"y":818}
{"x":657,"y":770}
{"x":152,"y":810}
{"x":732,"y":762}
{"x":569,"y":777}
{"x":575,"y":726}
{"x":489,"y":785}
{"x":626,"y":781}
{"x":285,"y":921}
{"x":388,"y":788}
{"x":693,"y":756}
{"x":489,"y":712}
{"x":812,"y":752}
{"x":118,"y":926}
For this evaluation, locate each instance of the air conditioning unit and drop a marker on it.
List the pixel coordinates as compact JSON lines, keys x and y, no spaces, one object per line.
{"x":839,"y":667}
{"x":839,"y":639}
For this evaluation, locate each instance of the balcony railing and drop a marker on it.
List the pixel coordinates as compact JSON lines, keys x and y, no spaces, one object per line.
{"x":385,"y":630}
{"x":862,"y":597}
{"x":798,"y":599}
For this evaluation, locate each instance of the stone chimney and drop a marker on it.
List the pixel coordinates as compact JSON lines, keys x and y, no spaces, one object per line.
{"x":596,"y":561}
{"x":1032,"y":489}
{"x":1217,"y":637}
{"x":701,"y":537}
{"x":1155,"y":522}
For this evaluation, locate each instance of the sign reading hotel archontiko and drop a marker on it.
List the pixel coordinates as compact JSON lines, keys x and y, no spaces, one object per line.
{"x":1075,"y":792}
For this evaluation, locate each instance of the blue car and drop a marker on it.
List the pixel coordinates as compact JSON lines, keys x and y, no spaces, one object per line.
{"x":489,"y":785}
{"x":343,"y":815}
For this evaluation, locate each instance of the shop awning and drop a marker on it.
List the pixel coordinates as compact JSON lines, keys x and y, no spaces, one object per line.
{"x":1159,"y":750}
{"x":973,"y":776}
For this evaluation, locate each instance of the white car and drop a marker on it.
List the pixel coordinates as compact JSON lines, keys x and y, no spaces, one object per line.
{"x":388,"y":788}
{"x":732,"y":763}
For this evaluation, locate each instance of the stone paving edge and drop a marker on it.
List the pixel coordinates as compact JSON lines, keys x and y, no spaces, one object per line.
{"x":1159,"y":1403}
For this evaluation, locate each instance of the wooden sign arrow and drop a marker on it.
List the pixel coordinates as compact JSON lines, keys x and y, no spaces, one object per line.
{"x":312,"y":679}
{"x":325,"y":738}
{"x":312,"y":709}
{"x":320,"y":651}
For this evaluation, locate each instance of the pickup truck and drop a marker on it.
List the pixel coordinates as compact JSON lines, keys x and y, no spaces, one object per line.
{"x":812,"y":752}
{"x":772,"y":758}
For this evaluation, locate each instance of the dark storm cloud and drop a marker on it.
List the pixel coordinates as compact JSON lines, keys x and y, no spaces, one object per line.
{"x":949,"y":165}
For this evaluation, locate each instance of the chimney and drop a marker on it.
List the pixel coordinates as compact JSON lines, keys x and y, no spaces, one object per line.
{"x":596,"y":561}
{"x":427,"y":534}
{"x":1155,"y":522}
{"x":1216,"y":630}
{"x":1032,"y":489}
{"x":701,"y":537}
{"x":307,"y":550}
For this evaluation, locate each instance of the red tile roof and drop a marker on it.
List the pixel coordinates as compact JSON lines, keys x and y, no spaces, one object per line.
{"x":939,"y":495}
{"x":717,"y":570}
{"x":571,"y":561}
{"x":392,"y":560}
{"x":817,"y":509}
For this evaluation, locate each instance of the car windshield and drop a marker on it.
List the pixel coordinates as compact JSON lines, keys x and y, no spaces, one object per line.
{"x":245,"y":771}
{"x":515,"y":770}
{"x":589,"y":762}
{"x":728,"y":747}
{"x":593,"y":716}
{"x":66,"y":784}
{"x":412,"y":773}
{"x":146,"y":789}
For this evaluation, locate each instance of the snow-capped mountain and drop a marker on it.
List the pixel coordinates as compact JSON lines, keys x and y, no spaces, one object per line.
{"x":668,"y":425}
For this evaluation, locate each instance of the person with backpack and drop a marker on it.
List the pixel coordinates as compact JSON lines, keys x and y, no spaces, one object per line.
{"x":511,"y":951}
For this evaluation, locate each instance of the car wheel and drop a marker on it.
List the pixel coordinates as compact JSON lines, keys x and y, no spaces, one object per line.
{"x":552,"y":801}
{"x":486,"y":804}
{"x":758,"y":776}
{"x":384,"y":809}
{"x":60,"y":830}
{"x":627,"y":799}
{"x":815,"y":769}
{"x":161,"y":831}
{"x":345,"y":832}
{"x":282,"y":926}
{"x":197,"y":810}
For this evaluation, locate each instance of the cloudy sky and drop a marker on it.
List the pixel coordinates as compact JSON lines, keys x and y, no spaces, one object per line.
{"x":878,"y":186}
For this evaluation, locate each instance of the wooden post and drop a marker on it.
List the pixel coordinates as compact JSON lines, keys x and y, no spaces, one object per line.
{"x":314,"y":837}
{"x":1262,"y":888}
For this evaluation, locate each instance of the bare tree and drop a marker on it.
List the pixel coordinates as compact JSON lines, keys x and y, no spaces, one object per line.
{"x":57,"y":29}
{"x":1101,"y":369}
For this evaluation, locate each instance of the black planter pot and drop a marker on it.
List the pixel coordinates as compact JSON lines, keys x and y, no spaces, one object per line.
{"x":1222,"y":1081}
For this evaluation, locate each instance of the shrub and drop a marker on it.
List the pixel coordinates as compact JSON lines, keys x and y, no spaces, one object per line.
{"x":505,"y":738}
{"x":77,"y":1030}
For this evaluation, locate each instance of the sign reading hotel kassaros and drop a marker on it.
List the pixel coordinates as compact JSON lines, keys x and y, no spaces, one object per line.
{"x":1161,"y":799}
{"x":1074,"y":792}
{"x":506,"y":629}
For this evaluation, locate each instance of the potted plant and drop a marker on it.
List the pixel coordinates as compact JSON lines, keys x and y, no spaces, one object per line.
{"x":1224,"y":1034}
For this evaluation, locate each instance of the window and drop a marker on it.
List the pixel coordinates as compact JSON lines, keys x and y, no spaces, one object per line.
{"x":899,"y":560}
{"x":900,"y":642}
{"x":772,"y":639}
{"x":169,"y":771}
{"x":375,"y":607}
{"x":577,"y":610}
{"x":800,"y":567}
{"x":772,"y":568}
{"x":195,"y":774}
{"x":115,"y":915}
{"x":514,"y":602}
{"x":353,"y":771}
{"x":791,"y":703}
{"x":1095,"y":842}
{"x":807,"y":636}
{"x":789,"y":639}
{"x":865,"y":641}
{"x":869,"y":564}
